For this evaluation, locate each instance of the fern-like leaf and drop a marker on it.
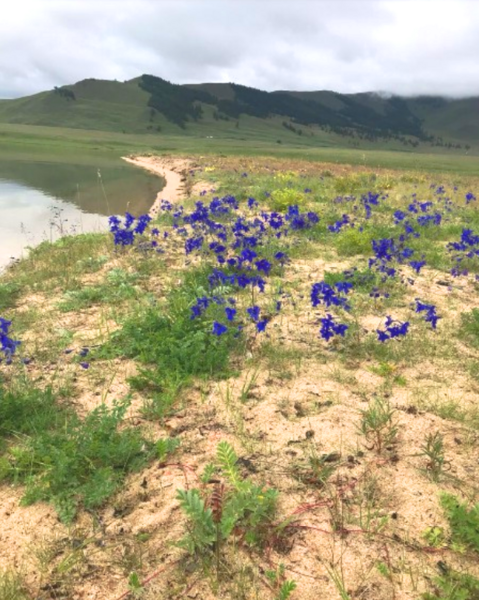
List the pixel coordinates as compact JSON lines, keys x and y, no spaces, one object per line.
{"x":286,"y":590}
{"x":227,"y":459}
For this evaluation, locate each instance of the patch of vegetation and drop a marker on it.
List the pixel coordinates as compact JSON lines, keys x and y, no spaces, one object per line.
{"x":464,"y":521}
{"x":453,"y":585}
{"x":173,"y":346}
{"x":236,"y":507}
{"x":12,"y":586}
{"x":9,"y":292}
{"x":470,"y":327}
{"x":63,"y":459}
{"x":117,"y":288}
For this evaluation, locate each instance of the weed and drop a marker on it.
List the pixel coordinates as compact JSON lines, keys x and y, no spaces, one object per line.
{"x":463,"y":521}
{"x":12,"y":586}
{"x":237,"y":507}
{"x":164,"y":447}
{"x":285,"y":588}
{"x":453,"y":585}
{"x":435,"y":536}
{"x":318,"y":468}
{"x":377,"y":425}
{"x":134,"y":585}
{"x":433,"y":450}
{"x":470,"y":327}
{"x":72,"y":460}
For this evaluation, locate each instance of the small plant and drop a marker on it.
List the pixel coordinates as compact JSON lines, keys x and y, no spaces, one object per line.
{"x":235,"y":507}
{"x":464,"y":522}
{"x":134,"y":585}
{"x":435,"y":536}
{"x":12,"y":586}
{"x":433,"y":450}
{"x":384,"y":570}
{"x":452,"y":585}
{"x":318,"y":468}
{"x":164,"y":447}
{"x":378,"y":426}
{"x":285,"y":588}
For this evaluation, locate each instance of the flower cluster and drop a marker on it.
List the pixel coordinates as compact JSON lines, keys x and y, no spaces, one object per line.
{"x":392,"y":329}
{"x":336,"y":227}
{"x":430,"y":312}
{"x":330,"y":328}
{"x":7,"y":344}
{"x":124,"y":232}
{"x":323,"y":293}
{"x":468,"y":247}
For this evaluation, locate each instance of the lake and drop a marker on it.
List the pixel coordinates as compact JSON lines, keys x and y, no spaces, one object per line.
{"x":44,"y":200}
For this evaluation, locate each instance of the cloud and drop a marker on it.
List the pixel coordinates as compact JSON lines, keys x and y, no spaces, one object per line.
{"x":400,"y":46}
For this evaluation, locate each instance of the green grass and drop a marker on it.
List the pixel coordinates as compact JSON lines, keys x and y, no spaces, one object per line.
{"x":172,"y":347}
{"x":12,"y":586}
{"x":9,"y":292}
{"x":470,"y":327}
{"x":118,"y":287}
{"x":454,"y":585}
{"x":81,"y":146}
{"x":61,"y":458}
{"x":463,"y":521}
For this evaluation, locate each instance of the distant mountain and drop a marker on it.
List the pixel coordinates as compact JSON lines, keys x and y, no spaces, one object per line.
{"x":149,"y":104}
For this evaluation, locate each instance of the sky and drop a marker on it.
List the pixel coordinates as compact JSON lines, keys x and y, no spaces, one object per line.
{"x":406,"y":47}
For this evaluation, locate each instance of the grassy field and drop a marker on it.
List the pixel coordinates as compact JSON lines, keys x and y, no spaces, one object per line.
{"x":269,"y":395}
{"x":67,"y":145}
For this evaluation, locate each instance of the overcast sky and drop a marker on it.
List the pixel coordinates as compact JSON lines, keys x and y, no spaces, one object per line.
{"x":400,"y":46}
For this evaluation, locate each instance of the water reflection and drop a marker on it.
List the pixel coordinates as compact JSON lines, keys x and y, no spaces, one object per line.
{"x":42,"y":201}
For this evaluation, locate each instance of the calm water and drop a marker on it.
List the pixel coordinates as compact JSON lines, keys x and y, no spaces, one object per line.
{"x":43,"y":200}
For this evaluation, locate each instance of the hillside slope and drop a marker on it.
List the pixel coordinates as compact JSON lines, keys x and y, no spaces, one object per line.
{"x":149,"y":104}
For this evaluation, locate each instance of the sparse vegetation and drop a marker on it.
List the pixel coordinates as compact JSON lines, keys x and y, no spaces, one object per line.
{"x":298,"y":422}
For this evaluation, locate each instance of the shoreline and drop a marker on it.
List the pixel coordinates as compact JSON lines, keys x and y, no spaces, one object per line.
{"x":173,"y":172}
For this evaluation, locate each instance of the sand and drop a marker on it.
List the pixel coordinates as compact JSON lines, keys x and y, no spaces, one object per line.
{"x":173,"y":170}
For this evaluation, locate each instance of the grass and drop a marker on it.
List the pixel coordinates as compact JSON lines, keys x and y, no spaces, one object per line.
{"x":60,"y":458}
{"x":352,"y":447}
{"x":12,"y":586}
{"x":102,"y":148}
{"x":172,"y":346}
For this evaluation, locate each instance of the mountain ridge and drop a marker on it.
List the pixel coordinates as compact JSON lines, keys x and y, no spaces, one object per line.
{"x":150,"y":104}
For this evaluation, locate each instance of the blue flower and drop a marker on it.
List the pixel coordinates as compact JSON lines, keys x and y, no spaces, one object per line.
{"x":323,"y":293}
{"x":230,"y":313}
{"x":470,"y":197}
{"x":219,"y":328}
{"x":431,"y":316}
{"x":263,"y":265}
{"x":417,"y":265}
{"x":393,"y":329}
{"x":253,"y":312}
{"x":261,"y":325}
{"x":329,"y":328}
{"x":7,"y":345}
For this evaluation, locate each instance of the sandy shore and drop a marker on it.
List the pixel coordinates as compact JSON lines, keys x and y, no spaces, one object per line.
{"x":172,"y":169}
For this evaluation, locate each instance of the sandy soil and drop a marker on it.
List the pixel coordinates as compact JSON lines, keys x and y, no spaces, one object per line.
{"x":173,"y":170}
{"x":279,"y":413}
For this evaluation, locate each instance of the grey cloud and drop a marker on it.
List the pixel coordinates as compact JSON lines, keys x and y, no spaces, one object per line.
{"x":401,"y":46}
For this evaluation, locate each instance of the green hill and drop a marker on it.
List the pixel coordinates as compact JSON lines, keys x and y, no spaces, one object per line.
{"x":149,"y":104}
